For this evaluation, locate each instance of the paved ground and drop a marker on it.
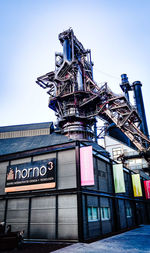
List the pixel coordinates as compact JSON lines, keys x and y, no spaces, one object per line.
{"x":135,"y":241}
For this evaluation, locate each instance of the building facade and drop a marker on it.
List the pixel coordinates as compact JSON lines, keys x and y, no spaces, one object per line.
{"x":117,"y":148}
{"x":65,"y":210}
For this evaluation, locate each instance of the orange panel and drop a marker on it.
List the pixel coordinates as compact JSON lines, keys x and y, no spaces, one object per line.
{"x":30,"y":187}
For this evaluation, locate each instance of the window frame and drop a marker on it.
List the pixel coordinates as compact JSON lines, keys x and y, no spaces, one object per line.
{"x":128,"y":212}
{"x":103,"y":216}
{"x":116,"y":152}
{"x":91,"y":209}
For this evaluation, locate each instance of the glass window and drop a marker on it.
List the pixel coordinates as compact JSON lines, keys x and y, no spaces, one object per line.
{"x":131,"y":161}
{"x":102,"y":214}
{"x":89,"y":213}
{"x":105,"y":213}
{"x":116,"y":152}
{"x":129,"y":212}
{"x":93,"y":214}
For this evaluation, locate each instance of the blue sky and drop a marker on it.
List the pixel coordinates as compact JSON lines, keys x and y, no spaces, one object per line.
{"x":116,"y":31}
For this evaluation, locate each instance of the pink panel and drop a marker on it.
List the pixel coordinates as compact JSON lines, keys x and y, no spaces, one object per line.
{"x":86,"y":166}
{"x":147,"y":188}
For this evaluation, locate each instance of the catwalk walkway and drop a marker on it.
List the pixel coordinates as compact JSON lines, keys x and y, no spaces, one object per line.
{"x":135,"y":241}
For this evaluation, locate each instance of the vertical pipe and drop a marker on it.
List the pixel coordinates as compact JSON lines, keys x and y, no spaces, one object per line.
{"x":56,"y":223}
{"x":86,"y":217}
{"x":72,"y":45}
{"x":127,"y":95}
{"x":5,"y":212}
{"x":79,"y":75}
{"x":125,"y":86}
{"x":79,"y":79}
{"x":66,"y":50}
{"x":91,"y":64}
{"x":95,"y":130}
{"x":140,"y":106}
{"x":79,"y":194}
{"x":29,"y":218}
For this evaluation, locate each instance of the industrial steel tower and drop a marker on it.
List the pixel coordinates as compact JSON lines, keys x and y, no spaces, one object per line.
{"x":69,"y":88}
{"x":77,"y":99}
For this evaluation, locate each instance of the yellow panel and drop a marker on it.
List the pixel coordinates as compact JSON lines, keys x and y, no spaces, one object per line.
{"x":137,"y":190}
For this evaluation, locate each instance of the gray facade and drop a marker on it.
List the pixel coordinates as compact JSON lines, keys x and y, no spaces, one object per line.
{"x":37,"y":214}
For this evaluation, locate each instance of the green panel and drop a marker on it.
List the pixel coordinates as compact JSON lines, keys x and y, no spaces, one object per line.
{"x":118,"y":178}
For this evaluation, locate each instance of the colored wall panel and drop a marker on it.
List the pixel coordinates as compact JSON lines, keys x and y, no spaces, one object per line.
{"x":147,"y":188}
{"x":118,"y":178}
{"x":86,"y":166}
{"x":137,"y":190}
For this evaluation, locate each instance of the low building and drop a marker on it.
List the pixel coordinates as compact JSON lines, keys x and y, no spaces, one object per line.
{"x":56,"y":205}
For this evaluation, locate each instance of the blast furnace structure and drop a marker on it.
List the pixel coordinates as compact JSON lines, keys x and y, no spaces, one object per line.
{"x":77,"y":99}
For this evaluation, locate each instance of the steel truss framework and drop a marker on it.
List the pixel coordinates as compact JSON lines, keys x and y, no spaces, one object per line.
{"x":77,"y":99}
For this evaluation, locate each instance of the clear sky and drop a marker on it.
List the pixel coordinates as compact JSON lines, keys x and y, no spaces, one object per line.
{"x":116,"y":31}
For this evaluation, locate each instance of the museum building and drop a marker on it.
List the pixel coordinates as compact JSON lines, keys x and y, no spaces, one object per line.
{"x":57,"y":188}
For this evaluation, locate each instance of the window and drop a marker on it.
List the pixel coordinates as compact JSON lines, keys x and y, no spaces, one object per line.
{"x":129,"y":212}
{"x":93,"y":214}
{"x":105,"y":213}
{"x":116,"y":152}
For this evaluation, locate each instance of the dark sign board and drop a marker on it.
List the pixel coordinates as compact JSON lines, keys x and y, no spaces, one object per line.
{"x":31,"y":176}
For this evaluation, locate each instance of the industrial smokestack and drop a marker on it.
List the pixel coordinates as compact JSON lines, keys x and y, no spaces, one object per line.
{"x":140,"y":106}
{"x":125,"y":85}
